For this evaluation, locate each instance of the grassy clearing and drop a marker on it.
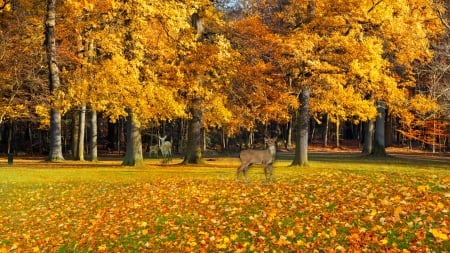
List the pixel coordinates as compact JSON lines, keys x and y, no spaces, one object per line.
{"x":338,"y":203}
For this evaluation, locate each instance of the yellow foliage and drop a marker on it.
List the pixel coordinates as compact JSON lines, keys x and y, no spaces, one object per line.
{"x":44,"y":116}
{"x":423,"y":104}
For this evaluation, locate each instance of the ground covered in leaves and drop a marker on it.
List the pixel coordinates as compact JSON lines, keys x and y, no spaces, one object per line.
{"x":323,"y":208}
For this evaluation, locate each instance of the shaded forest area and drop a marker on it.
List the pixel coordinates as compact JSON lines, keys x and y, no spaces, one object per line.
{"x":26,"y":139}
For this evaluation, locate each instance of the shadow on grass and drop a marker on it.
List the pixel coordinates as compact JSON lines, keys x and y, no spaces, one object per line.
{"x":352,"y":158}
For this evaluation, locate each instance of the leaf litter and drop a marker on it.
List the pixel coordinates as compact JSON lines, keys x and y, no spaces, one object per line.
{"x":326,"y":210}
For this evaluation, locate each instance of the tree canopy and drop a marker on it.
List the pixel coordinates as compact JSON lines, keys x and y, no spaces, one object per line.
{"x":242,"y":63}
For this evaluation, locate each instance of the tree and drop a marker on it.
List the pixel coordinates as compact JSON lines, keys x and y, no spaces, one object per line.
{"x":302,"y":127}
{"x":260,"y":93}
{"x":134,"y":65}
{"x":23,"y":79}
{"x":363,"y":47}
{"x":206,"y":68}
{"x":55,"y":153}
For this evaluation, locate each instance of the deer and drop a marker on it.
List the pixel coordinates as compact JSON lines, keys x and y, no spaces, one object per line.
{"x":263,"y":157}
{"x":166,"y":149}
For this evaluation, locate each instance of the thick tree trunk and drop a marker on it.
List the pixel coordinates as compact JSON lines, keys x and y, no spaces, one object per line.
{"x":133,"y":154}
{"x":193,"y":152}
{"x":368,"y":137}
{"x":93,"y":154}
{"x":301,"y":126}
{"x":55,"y":153}
{"x":379,"y":135}
{"x":389,"y":131}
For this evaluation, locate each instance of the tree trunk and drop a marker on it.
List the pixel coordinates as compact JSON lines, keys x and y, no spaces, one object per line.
{"x":193,"y":154}
{"x":301,"y":126}
{"x":82,"y":129}
{"x":10,"y":137}
{"x":379,"y":136}
{"x":75,"y":132}
{"x":368,"y":140}
{"x":93,"y":136}
{"x":289,"y":138}
{"x":133,"y":154}
{"x":338,"y":127}
{"x":325,"y":136}
{"x":389,"y":132}
{"x":55,"y":153}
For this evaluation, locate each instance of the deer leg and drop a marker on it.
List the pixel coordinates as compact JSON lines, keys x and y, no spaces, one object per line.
{"x":238,"y":171}
{"x":243,"y":168}
{"x":265,"y":171}
{"x":268,"y":170}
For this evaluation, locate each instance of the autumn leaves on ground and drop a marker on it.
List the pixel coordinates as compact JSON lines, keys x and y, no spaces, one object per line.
{"x":336,"y":204}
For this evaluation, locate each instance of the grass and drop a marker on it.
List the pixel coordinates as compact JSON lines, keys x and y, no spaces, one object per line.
{"x":338,"y":203}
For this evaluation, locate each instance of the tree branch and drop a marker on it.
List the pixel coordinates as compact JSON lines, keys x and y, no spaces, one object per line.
{"x":3,"y":6}
{"x":441,"y":17}
{"x":374,"y":5}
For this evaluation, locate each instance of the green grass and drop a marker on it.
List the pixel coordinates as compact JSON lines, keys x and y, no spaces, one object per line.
{"x":339,"y":202}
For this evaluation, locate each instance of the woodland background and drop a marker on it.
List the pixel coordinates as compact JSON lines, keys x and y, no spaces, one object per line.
{"x":84,"y":77}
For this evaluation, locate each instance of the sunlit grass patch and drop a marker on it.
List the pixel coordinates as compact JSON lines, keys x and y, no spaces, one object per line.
{"x":346,"y":205}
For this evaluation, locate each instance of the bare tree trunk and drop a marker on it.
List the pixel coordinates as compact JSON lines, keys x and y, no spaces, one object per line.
{"x":10,"y":137}
{"x":368,"y":137}
{"x":93,"y":136}
{"x":193,"y":153}
{"x":55,"y":153}
{"x":75,"y":132}
{"x":289,"y":138}
{"x":133,"y":154}
{"x":389,"y":132}
{"x":82,"y":129}
{"x":379,"y":135}
{"x":301,"y":126}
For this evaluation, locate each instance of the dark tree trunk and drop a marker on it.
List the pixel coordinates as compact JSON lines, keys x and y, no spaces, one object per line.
{"x":325,"y":134}
{"x":379,"y":147}
{"x":301,"y":126}
{"x":133,"y":154}
{"x":193,"y":152}
{"x":10,"y":137}
{"x":55,"y":153}
{"x":389,"y":132}
{"x":368,"y":137}
{"x":75,"y":133}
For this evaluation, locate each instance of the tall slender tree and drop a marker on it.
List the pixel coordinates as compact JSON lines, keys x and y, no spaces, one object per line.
{"x":55,"y":153}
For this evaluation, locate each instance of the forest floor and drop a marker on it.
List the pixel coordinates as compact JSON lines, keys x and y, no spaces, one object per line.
{"x":343,"y":202}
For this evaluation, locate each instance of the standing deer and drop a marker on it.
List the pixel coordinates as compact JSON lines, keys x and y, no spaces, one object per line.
{"x":263,"y":157}
{"x":166,"y":149}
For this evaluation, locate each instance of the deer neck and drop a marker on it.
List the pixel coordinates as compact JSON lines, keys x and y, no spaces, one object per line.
{"x":272,"y":150}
